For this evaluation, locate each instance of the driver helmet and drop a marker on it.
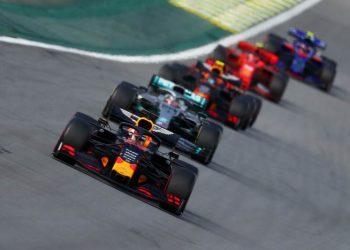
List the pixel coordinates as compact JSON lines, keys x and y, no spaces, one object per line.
{"x":252,"y":58}
{"x":303,"y":47}
{"x":144,"y":140}
{"x":132,"y":133}
{"x":170,"y":100}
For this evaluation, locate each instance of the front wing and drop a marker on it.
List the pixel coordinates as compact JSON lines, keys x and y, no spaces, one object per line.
{"x":89,"y":165}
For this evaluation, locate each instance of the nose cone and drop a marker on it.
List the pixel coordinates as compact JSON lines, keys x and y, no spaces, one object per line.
{"x":124,"y":168}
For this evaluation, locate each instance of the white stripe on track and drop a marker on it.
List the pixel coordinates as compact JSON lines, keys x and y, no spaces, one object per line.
{"x":187,"y":54}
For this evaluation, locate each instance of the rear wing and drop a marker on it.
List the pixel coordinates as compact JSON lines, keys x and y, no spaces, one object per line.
{"x":307,"y":37}
{"x":157,"y":81}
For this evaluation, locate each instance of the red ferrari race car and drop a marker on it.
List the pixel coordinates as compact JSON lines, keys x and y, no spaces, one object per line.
{"x":256,"y":67}
{"x":226,"y":100}
{"x":128,"y":158}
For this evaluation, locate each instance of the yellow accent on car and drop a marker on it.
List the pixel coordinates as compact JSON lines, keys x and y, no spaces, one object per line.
{"x":123,"y":168}
{"x":219,"y":66}
{"x":142,"y":179}
{"x":259,"y":45}
{"x":310,"y":34}
{"x":104,"y":161}
{"x":220,"y":63}
{"x":142,"y":121}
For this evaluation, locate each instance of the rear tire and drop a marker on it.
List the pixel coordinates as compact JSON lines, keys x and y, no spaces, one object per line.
{"x":219,"y":53}
{"x":173,"y":72}
{"x":181,"y":184}
{"x":273,"y":43}
{"x":166,"y":71}
{"x":328,"y":74}
{"x":277,"y":86}
{"x":123,"y":96}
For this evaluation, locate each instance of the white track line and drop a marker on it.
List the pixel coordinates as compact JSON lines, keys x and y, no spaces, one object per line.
{"x":187,"y":54}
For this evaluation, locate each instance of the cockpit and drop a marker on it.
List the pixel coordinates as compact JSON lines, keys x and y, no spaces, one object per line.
{"x":139,"y":137}
{"x":304,"y":48}
{"x":172,"y":99}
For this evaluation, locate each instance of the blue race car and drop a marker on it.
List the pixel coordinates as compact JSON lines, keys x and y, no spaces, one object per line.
{"x":302,"y":59}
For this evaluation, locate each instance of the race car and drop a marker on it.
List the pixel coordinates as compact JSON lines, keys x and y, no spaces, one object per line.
{"x":256,"y":67}
{"x":302,"y":58}
{"x":170,"y":107}
{"x":128,"y":157}
{"x":226,"y":99}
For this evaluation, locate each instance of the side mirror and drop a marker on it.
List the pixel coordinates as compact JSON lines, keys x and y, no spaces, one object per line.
{"x":173,"y":156}
{"x":103,"y":122}
{"x":202,"y":115}
{"x":200,"y":66}
{"x":143,"y":89}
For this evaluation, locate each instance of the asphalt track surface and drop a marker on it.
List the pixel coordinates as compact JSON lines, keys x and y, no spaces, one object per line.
{"x":285,"y":184}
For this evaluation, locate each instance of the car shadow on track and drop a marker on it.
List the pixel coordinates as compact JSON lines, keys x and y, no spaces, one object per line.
{"x":340,"y":93}
{"x":293,"y":197}
{"x":262,"y":137}
{"x":110,"y":184}
{"x":266,"y":188}
{"x":245,"y":180}
{"x":291,"y":106}
{"x":214,"y":228}
{"x":207,"y":225}
{"x":336,"y":91}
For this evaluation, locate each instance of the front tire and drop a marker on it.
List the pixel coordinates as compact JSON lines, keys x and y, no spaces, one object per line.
{"x":180,"y":184}
{"x":208,"y":138}
{"x":123,"y":96}
{"x":76,"y":135}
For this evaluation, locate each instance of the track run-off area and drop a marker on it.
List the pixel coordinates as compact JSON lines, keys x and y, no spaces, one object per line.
{"x":285,"y":184}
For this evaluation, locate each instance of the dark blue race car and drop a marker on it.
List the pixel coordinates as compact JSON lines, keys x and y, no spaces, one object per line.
{"x":302,"y":59}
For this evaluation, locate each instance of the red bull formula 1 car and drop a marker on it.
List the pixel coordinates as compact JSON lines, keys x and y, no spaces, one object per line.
{"x":256,"y":67}
{"x":129,"y":158}
{"x":302,"y":58}
{"x":226,"y":99}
